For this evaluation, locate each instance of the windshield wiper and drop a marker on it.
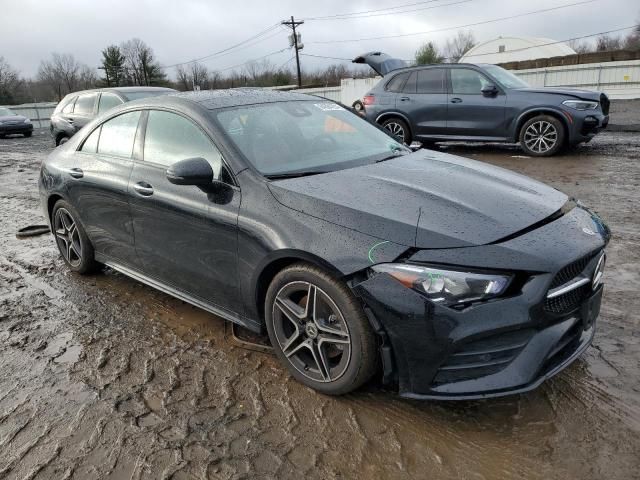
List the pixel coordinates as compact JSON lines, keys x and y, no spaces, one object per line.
{"x":280,"y":176}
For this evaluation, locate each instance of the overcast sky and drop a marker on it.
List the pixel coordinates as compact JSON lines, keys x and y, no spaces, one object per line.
{"x":181,"y":30}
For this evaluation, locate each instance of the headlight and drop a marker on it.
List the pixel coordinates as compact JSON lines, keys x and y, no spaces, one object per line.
{"x":448,"y":287}
{"x":26,"y":120}
{"x":581,"y":104}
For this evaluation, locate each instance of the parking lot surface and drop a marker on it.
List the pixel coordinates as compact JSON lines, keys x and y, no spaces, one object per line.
{"x":103,"y":377}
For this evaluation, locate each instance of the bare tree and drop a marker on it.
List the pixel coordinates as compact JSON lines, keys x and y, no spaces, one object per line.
{"x":457,"y":46}
{"x":192,"y":76}
{"x":632,"y":41}
{"x":141,"y":68}
{"x":10,"y":83}
{"x":605,"y":43}
{"x":580,"y":46}
{"x":63,"y":74}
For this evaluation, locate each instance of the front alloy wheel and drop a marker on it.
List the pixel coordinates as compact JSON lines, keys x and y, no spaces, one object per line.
{"x":542,"y":136}
{"x":399,"y":129}
{"x":319,"y":330}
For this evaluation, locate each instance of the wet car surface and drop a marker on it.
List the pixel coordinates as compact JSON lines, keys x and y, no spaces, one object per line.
{"x":108,"y":378}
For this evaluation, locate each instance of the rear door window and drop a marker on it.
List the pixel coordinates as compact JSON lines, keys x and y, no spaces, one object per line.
{"x":431,"y":80}
{"x":85,"y":104}
{"x":410,"y":86}
{"x":68,"y":108}
{"x":118,"y":135}
{"x":396,"y":83}
{"x":108,"y":101}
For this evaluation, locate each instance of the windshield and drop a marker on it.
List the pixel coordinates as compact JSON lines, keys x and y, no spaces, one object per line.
{"x":5,"y":112}
{"x":506,"y":79}
{"x":145,"y":93}
{"x":302,"y":137}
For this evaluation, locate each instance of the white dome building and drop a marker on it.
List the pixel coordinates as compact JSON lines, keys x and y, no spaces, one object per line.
{"x":513,"y":49}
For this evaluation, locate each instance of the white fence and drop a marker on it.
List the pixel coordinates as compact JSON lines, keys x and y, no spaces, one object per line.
{"x":619,"y":80}
{"x":38,"y":113}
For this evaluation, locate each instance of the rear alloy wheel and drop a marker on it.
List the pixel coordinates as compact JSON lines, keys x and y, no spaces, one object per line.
{"x":542,"y":136}
{"x":399,"y":129}
{"x":75,"y":248}
{"x":319,"y":331}
{"x":62,"y":140}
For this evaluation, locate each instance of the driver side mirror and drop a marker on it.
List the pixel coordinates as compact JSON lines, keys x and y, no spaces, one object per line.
{"x":192,"y":171}
{"x":489,"y":90}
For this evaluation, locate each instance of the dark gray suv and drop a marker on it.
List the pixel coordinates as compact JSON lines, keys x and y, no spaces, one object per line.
{"x":480,"y":102}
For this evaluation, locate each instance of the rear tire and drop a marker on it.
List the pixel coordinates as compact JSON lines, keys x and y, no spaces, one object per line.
{"x":542,"y":136}
{"x":327,"y":344}
{"x":61,"y":140}
{"x":72,"y":241}
{"x":399,"y":129}
{"x":27,"y":134}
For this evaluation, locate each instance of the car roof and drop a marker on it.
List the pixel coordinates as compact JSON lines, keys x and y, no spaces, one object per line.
{"x":234,"y":97}
{"x":123,"y":90}
{"x":435,"y":65}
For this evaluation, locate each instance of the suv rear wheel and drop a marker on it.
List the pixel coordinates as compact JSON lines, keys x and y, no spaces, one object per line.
{"x":398,"y":128}
{"x":542,"y":136}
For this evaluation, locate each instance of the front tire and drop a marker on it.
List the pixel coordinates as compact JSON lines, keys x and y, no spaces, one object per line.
{"x":319,"y":330}
{"x":74,"y":245}
{"x":27,"y":134}
{"x":542,"y":136}
{"x":399,"y":129}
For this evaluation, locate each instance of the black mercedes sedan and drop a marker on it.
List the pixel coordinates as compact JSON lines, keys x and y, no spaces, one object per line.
{"x":286,"y":213}
{"x":13,"y":124}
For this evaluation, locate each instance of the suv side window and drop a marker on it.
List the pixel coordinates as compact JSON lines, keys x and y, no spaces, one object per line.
{"x":108,"y":101}
{"x":395,"y":84}
{"x":431,"y":80}
{"x":118,"y":135}
{"x":170,"y":138}
{"x":85,"y":104}
{"x":68,"y":108}
{"x":465,"y":81}
{"x":90,"y":145}
{"x":410,"y":86}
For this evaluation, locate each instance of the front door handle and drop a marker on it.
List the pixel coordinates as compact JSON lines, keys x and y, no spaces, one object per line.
{"x":143,"y":188}
{"x":404,"y":99}
{"x":75,"y":172}
{"x":456,"y":100}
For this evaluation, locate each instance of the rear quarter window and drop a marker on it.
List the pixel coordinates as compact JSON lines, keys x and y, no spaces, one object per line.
{"x":396,"y":83}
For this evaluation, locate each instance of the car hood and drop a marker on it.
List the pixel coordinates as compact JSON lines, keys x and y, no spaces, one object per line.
{"x":12,"y":118}
{"x":566,"y":92}
{"x":380,"y":62}
{"x":426,"y":199}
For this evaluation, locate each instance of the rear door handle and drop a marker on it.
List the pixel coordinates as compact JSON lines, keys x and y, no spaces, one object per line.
{"x":143,"y":188}
{"x":456,"y":100}
{"x":404,"y":99}
{"x":76,"y":172}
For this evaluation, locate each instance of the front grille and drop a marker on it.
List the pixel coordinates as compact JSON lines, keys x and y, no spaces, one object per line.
{"x":604,"y":103}
{"x":571,"y":271}
{"x":569,"y":301}
{"x":482,"y":357}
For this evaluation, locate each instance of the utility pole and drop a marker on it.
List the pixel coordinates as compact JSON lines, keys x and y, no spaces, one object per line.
{"x":293,"y":24}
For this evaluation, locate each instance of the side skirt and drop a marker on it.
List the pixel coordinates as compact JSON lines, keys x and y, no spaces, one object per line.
{"x":226,"y":315}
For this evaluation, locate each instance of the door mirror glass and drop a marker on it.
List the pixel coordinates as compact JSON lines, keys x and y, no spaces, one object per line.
{"x":191,"y":171}
{"x":489,"y":90}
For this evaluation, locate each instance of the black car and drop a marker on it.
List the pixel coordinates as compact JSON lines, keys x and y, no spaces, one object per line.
{"x":287,"y":213}
{"x":79,"y":108}
{"x":11,"y":124}
{"x":480,"y":103}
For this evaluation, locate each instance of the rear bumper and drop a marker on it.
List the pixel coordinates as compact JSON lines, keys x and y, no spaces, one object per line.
{"x":16,"y":128}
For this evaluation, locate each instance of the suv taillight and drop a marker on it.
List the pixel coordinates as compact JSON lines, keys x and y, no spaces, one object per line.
{"x":368,"y":99}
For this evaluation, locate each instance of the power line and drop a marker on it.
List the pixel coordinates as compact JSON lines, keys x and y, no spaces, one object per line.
{"x":393,"y":12}
{"x":582,"y":37}
{"x":484,"y":22}
{"x":252,"y":60}
{"x":327,"y":17}
{"x":254,"y":37}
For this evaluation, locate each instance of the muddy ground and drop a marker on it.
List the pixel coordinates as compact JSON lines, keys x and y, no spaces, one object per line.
{"x":102,"y":377}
